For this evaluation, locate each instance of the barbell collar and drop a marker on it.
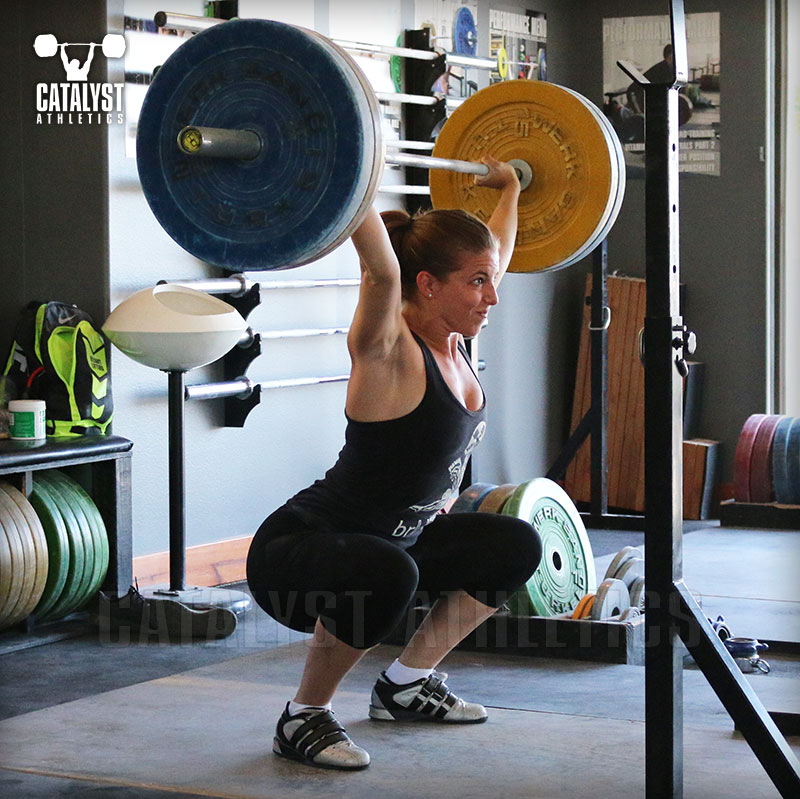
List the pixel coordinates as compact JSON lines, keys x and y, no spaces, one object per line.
{"x":522,"y":168}
{"x":243,"y":144}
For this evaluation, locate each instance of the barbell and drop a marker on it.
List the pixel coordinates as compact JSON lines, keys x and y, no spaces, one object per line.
{"x":259,"y":147}
{"x":46,"y":45}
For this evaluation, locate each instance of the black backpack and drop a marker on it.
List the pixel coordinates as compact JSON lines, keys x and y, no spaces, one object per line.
{"x":58,"y":356}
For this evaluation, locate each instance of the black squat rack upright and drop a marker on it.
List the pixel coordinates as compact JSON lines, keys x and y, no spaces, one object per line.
{"x":672,"y":613}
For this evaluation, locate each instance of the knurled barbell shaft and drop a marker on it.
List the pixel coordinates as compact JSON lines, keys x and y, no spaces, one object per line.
{"x":431,"y":162}
{"x":246,"y":144}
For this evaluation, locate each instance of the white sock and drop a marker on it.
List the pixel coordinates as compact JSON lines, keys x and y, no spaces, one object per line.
{"x":296,"y":707}
{"x":402,"y":675}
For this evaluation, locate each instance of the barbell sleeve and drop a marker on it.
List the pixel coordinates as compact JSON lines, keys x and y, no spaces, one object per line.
{"x":219,"y":142}
{"x":184,"y":22}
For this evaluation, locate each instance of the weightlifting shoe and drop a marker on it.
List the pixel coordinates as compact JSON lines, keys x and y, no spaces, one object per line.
{"x":314,"y":736}
{"x":422,"y":700}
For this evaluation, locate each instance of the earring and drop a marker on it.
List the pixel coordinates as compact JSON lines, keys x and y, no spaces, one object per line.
{"x":430,"y":296}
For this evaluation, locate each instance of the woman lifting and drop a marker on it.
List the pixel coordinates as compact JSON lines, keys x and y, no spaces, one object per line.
{"x":344,"y":557}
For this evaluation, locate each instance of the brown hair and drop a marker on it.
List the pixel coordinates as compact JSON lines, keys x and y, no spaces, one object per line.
{"x":432,"y":241}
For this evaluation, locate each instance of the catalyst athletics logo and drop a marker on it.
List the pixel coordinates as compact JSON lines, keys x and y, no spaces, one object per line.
{"x":78,"y":101}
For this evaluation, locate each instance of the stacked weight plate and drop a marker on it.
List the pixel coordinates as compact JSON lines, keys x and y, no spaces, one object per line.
{"x":54,"y":552}
{"x":621,"y":593}
{"x":767,"y":460}
{"x":566,"y":571}
{"x":572,"y":201}
{"x":24,"y":563}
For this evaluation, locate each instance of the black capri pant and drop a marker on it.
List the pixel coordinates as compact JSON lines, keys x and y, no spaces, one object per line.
{"x":360,"y":586}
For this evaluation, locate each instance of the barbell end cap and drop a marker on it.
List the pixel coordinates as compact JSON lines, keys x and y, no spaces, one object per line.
{"x":190,"y":140}
{"x":160,"y":19}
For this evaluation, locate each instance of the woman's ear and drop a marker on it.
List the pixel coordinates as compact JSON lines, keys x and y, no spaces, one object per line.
{"x":426,"y":283}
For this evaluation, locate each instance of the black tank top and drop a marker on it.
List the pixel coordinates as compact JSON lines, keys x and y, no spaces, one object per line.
{"x":393,"y":477}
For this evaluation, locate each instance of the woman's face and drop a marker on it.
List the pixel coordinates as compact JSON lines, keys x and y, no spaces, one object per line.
{"x":465,"y":296}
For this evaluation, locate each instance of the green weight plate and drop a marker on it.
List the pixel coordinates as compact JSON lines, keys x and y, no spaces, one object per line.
{"x":611,"y":599}
{"x":566,"y":571}
{"x":74,"y":517}
{"x":20,"y":587}
{"x":83,"y":503}
{"x":77,"y":576}
{"x":94,"y":516}
{"x":36,"y":531}
{"x":31,"y":575}
{"x":396,"y":67}
{"x":59,"y":578}
{"x":470,"y":499}
{"x":519,"y":604}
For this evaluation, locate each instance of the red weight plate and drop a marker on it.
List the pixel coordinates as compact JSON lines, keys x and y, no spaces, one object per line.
{"x":743,"y":456}
{"x":761,"y":489}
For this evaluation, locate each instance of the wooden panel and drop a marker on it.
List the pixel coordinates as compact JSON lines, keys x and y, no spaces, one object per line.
{"x":207,"y":565}
{"x":576,"y":474}
{"x":625,"y":431}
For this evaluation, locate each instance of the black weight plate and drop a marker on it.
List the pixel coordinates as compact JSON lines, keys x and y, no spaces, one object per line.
{"x":300,"y":194}
{"x":780,"y":472}
{"x":793,"y":461}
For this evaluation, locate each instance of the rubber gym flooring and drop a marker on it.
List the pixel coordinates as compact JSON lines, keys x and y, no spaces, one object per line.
{"x":85,"y":717}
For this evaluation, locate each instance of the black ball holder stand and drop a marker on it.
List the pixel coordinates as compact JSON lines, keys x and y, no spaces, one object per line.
{"x":193,"y":598}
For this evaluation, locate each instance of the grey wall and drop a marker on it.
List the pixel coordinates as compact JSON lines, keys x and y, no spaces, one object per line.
{"x":53,"y":178}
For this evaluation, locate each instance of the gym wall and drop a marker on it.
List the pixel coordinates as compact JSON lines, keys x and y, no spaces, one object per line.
{"x":79,"y":229}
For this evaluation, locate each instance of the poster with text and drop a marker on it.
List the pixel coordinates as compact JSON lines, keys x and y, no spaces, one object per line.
{"x":518,"y":42}
{"x":645,"y":42}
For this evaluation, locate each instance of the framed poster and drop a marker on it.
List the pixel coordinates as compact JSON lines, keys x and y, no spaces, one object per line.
{"x":645,"y":41}
{"x":519,"y":43}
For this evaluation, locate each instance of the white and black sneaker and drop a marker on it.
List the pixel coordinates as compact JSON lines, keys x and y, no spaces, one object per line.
{"x":426,"y":700}
{"x":314,"y":736}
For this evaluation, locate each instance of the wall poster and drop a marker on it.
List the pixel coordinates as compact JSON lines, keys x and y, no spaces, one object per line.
{"x":519,"y":43}
{"x":645,"y":42}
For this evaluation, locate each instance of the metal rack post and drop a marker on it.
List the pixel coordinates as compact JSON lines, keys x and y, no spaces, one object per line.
{"x":672,"y":614}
